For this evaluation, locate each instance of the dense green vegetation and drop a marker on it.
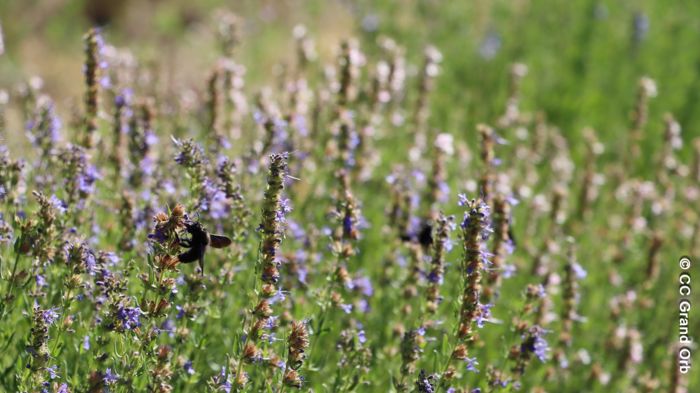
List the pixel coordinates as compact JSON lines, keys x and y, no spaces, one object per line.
{"x":560,"y":137}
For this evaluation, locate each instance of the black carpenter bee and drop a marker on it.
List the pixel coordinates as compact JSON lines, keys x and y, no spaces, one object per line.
{"x":424,"y":236}
{"x":198,"y":242}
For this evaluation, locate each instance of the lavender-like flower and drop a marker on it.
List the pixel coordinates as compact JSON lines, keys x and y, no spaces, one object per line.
{"x":38,"y":346}
{"x":109,"y":377}
{"x":44,"y":130}
{"x":94,"y":45}
{"x":272,"y":224}
{"x":488,"y":159}
{"x":428,"y":73}
{"x":533,"y":343}
{"x":297,"y":344}
{"x":272,"y":231}
{"x":502,"y":245}
{"x":79,"y":176}
{"x":475,"y":230}
{"x":129,"y":317}
{"x":141,"y":140}
{"x":120,"y":119}
{"x":212,"y":199}
{"x":444,"y":225}
{"x":572,"y":273}
{"x":425,"y":383}
{"x":410,"y":353}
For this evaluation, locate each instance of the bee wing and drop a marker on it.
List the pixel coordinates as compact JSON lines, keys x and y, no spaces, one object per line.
{"x":218,"y":241}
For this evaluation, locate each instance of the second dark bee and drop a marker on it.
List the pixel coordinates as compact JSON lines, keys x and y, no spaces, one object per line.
{"x":198,"y":242}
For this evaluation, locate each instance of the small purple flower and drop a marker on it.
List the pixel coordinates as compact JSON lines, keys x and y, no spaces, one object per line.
{"x":86,"y":180}
{"x":110,"y":258}
{"x":490,"y":45}
{"x":110,"y":377}
{"x":444,"y":191}
{"x":214,"y":200}
{"x":471,"y":364}
{"x":50,"y":316}
{"x":364,"y":285}
{"x":579,"y":271}
{"x":370,"y":22}
{"x":300,"y":125}
{"x":222,"y":381}
{"x":58,"y":204}
{"x":462,"y":200}
{"x":361,"y":337}
{"x":158,"y":235}
{"x":541,"y":291}
{"x":123,"y":98}
{"x":129,"y":316}
{"x":277,"y":297}
{"x":169,"y":327}
{"x":180,"y":311}
{"x":53,"y":372}
{"x":541,"y":349}
{"x":508,"y":270}
{"x":40,"y":281}
{"x":484,"y":314}
{"x":434,"y":277}
{"x":640,"y":27}
{"x":347,"y":223}
{"x":188,"y":367}
{"x":258,"y":117}
{"x":363,"y":305}
{"x":534,"y":342}
{"x":86,"y":343}
{"x":425,"y":383}
{"x":285,"y":208}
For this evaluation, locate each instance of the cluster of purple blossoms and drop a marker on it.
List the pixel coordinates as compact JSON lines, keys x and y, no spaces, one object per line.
{"x":222,"y":381}
{"x":49,"y":316}
{"x":484,"y":314}
{"x":44,"y":130}
{"x":284,"y":210}
{"x":80,"y":176}
{"x":425,"y":383}
{"x":130,"y":317}
{"x":79,"y":257}
{"x":188,"y":367}
{"x":213,"y":200}
{"x":109,"y":377}
{"x":480,"y":209}
{"x":534,"y":342}
{"x":277,"y":139}
{"x":5,"y":228}
{"x":123,"y":99}
{"x":58,"y":205}
{"x":490,"y":45}
{"x":190,"y":154}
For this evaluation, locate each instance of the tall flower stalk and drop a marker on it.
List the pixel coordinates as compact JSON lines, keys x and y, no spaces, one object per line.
{"x":93,"y":66}
{"x":271,"y":228}
{"x":476,"y":228}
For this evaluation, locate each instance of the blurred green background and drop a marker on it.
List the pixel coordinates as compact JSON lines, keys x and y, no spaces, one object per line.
{"x":585,"y":56}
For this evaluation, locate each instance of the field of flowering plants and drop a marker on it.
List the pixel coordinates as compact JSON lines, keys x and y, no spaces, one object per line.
{"x":349,"y":196}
